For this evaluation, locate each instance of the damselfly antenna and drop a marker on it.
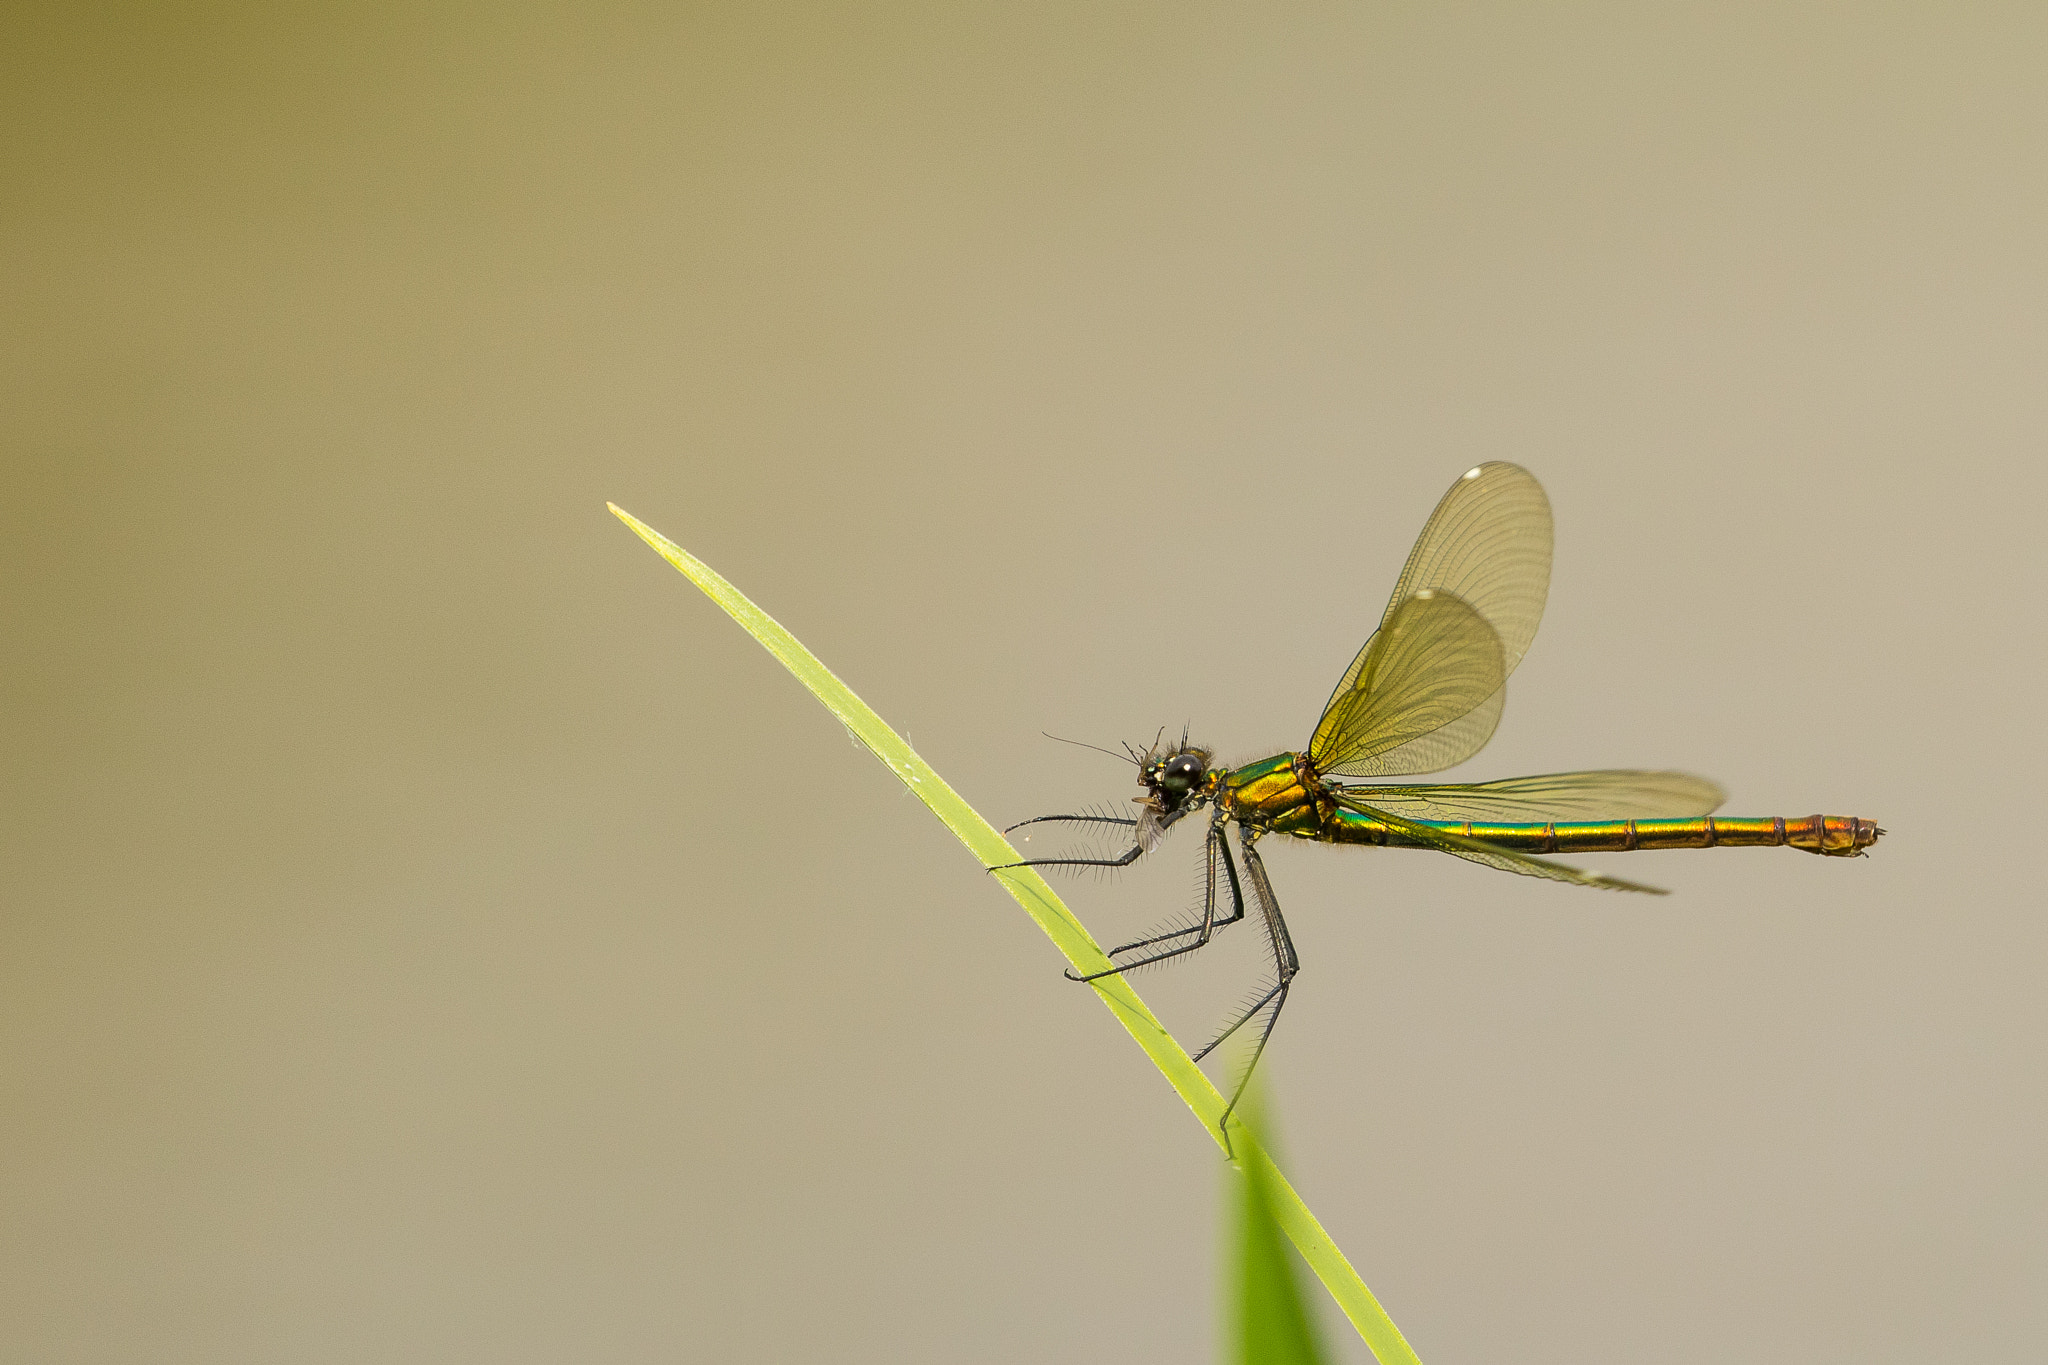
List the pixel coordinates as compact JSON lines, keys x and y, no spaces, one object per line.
{"x":1086,"y":745}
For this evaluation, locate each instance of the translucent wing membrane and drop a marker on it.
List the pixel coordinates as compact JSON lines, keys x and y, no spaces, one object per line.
{"x":1611,"y":794}
{"x":1487,"y":544}
{"x":1435,"y":662}
{"x":1491,"y":855}
{"x":1441,"y":748}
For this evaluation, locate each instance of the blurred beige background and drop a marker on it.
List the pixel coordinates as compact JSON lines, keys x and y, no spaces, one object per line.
{"x":433,"y":932}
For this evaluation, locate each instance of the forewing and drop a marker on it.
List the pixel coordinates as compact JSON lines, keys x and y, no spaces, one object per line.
{"x":1610,"y":794}
{"x":1488,"y":544}
{"x":1434,"y":664}
{"x":1491,"y":855}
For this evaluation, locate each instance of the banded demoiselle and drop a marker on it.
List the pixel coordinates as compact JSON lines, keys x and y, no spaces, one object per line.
{"x":1423,"y":694}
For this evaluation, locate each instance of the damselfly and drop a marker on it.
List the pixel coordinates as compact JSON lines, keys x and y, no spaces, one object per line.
{"x":1424,"y":693}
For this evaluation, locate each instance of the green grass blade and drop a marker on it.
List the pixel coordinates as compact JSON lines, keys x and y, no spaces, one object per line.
{"x":1059,"y":924}
{"x":1271,"y":1324}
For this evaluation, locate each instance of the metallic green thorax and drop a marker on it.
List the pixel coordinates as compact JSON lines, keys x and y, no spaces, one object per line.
{"x":1284,"y":795}
{"x":1278,"y":794}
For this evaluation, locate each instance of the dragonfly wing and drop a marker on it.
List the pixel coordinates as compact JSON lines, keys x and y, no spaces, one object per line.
{"x":1439,"y":749}
{"x":1610,"y":794}
{"x":1488,"y":544}
{"x":1507,"y":860}
{"x":1425,"y":687}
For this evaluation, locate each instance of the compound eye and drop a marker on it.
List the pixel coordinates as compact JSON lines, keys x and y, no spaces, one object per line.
{"x":1181,"y":773}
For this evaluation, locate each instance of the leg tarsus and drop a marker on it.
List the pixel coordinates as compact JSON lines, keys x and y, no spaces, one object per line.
{"x":1278,"y":996}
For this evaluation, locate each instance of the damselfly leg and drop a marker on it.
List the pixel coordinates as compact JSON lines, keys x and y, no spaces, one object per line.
{"x":1286,"y":965}
{"x":1125,"y":859}
{"x":1203,"y":931}
{"x":1194,"y":937}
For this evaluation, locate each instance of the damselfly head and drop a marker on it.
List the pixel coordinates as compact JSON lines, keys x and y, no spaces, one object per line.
{"x":1172,"y":774}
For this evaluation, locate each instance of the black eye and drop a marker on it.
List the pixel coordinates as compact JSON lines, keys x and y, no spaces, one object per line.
{"x":1181,"y":773}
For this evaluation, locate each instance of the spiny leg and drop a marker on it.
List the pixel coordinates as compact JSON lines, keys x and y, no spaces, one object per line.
{"x":1287,"y":964}
{"x":1216,"y":847}
{"x":1271,"y":1003}
{"x":1203,"y":931}
{"x":1124,"y":859}
{"x":1074,"y":819}
{"x":1276,"y":929}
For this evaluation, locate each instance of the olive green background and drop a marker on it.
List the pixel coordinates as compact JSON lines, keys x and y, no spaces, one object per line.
{"x":433,"y":932}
